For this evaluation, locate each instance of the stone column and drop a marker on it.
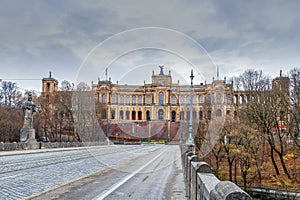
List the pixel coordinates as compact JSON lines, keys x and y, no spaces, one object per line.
{"x":152,"y":97}
{"x":169,"y":91}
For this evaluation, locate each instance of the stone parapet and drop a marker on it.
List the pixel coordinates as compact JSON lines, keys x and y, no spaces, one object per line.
{"x":202,"y":184}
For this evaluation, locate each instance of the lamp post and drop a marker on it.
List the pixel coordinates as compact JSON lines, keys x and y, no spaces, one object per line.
{"x":190,"y":139}
{"x":107,"y":110}
{"x":106,"y":134}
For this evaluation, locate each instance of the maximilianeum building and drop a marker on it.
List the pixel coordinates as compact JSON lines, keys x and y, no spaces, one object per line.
{"x":161,"y":109}
{"x":162,"y":99}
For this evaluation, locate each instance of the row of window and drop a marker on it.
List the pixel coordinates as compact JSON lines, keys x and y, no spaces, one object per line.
{"x":125,"y":99}
{"x":133,"y":115}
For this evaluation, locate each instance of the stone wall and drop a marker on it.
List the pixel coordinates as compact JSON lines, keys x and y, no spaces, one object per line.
{"x":202,"y":184}
{"x":47,"y":145}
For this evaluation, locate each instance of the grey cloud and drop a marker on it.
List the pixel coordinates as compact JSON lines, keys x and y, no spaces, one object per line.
{"x":237,"y":34}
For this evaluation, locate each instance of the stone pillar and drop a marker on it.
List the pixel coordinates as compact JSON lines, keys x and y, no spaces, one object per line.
{"x":152,"y":97}
{"x":169,"y":91}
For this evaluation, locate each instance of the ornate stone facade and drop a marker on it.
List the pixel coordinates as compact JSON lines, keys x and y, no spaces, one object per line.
{"x":161,"y":109}
{"x":163,"y":100}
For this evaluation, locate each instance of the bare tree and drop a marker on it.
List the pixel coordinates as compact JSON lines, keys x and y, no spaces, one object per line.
{"x":268,"y":108}
{"x":9,"y":94}
{"x":67,"y":86}
{"x":294,"y":76}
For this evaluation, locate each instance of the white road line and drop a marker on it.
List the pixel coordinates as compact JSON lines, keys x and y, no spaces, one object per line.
{"x":13,"y":176}
{"x":124,"y":180}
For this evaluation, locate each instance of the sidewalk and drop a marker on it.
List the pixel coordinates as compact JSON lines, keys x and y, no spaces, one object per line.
{"x":19,"y":152}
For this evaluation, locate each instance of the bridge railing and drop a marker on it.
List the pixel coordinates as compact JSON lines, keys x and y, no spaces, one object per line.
{"x":202,"y":184}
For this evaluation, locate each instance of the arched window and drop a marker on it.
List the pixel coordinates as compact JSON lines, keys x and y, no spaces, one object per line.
{"x":48,"y":87}
{"x":148,"y":116}
{"x":133,"y":115}
{"x":228,"y":112}
{"x":209,"y":115}
{"x":104,"y":98}
{"x":127,"y":114}
{"x":200,"y":115}
{"x":121,"y":114}
{"x":173,"y":116}
{"x":139,"y":115}
{"x":161,"y":98}
{"x":235,"y":113}
{"x":161,"y":114}
{"x":113,"y":114}
{"x":181,"y":115}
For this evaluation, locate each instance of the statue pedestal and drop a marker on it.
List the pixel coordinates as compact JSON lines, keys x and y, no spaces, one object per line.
{"x":28,"y":136}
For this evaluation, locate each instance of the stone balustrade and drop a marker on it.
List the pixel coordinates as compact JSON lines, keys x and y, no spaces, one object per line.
{"x":202,"y":184}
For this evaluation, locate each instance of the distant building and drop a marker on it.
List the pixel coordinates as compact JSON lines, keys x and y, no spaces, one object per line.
{"x":162,"y":100}
{"x":139,"y":107}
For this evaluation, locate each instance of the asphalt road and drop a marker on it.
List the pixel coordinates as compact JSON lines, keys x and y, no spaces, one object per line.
{"x":110,"y":172}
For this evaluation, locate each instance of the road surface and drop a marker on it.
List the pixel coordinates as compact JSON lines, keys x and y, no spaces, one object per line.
{"x":106,"y":172}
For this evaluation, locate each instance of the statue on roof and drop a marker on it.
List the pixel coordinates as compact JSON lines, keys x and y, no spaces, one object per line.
{"x":161,"y":70}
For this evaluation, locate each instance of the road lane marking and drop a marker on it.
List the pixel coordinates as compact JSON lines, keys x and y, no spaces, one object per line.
{"x":124,"y":180}
{"x":13,"y":176}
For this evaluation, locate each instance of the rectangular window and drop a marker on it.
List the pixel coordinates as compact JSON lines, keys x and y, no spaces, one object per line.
{"x":181,"y":100}
{"x":219,"y":98}
{"x":201,"y":101}
{"x":121,"y":99}
{"x":228,"y":99}
{"x":133,"y":100}
{"x":114,"y":99}
{"x":104,"y":98}
{"x":127,"y":99}
{"x":148,"y":98}
{"x":209,"y":99}
{"x":173,"y":99}
{"x":194,"y":99}
{"x":140,"y":100}
{"x":188,"y":99}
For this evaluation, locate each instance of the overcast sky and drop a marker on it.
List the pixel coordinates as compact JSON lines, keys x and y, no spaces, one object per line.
{"x":79,"y":39}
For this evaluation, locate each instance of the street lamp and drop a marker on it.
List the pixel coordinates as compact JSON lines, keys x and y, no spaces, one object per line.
{"x":106,"y":134}
{"x":190,"y":139}
{"x":107,"y":110}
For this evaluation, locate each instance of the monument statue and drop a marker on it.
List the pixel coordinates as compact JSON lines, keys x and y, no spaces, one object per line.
{"x":29,"y":108}
{"x":27,"y":134}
